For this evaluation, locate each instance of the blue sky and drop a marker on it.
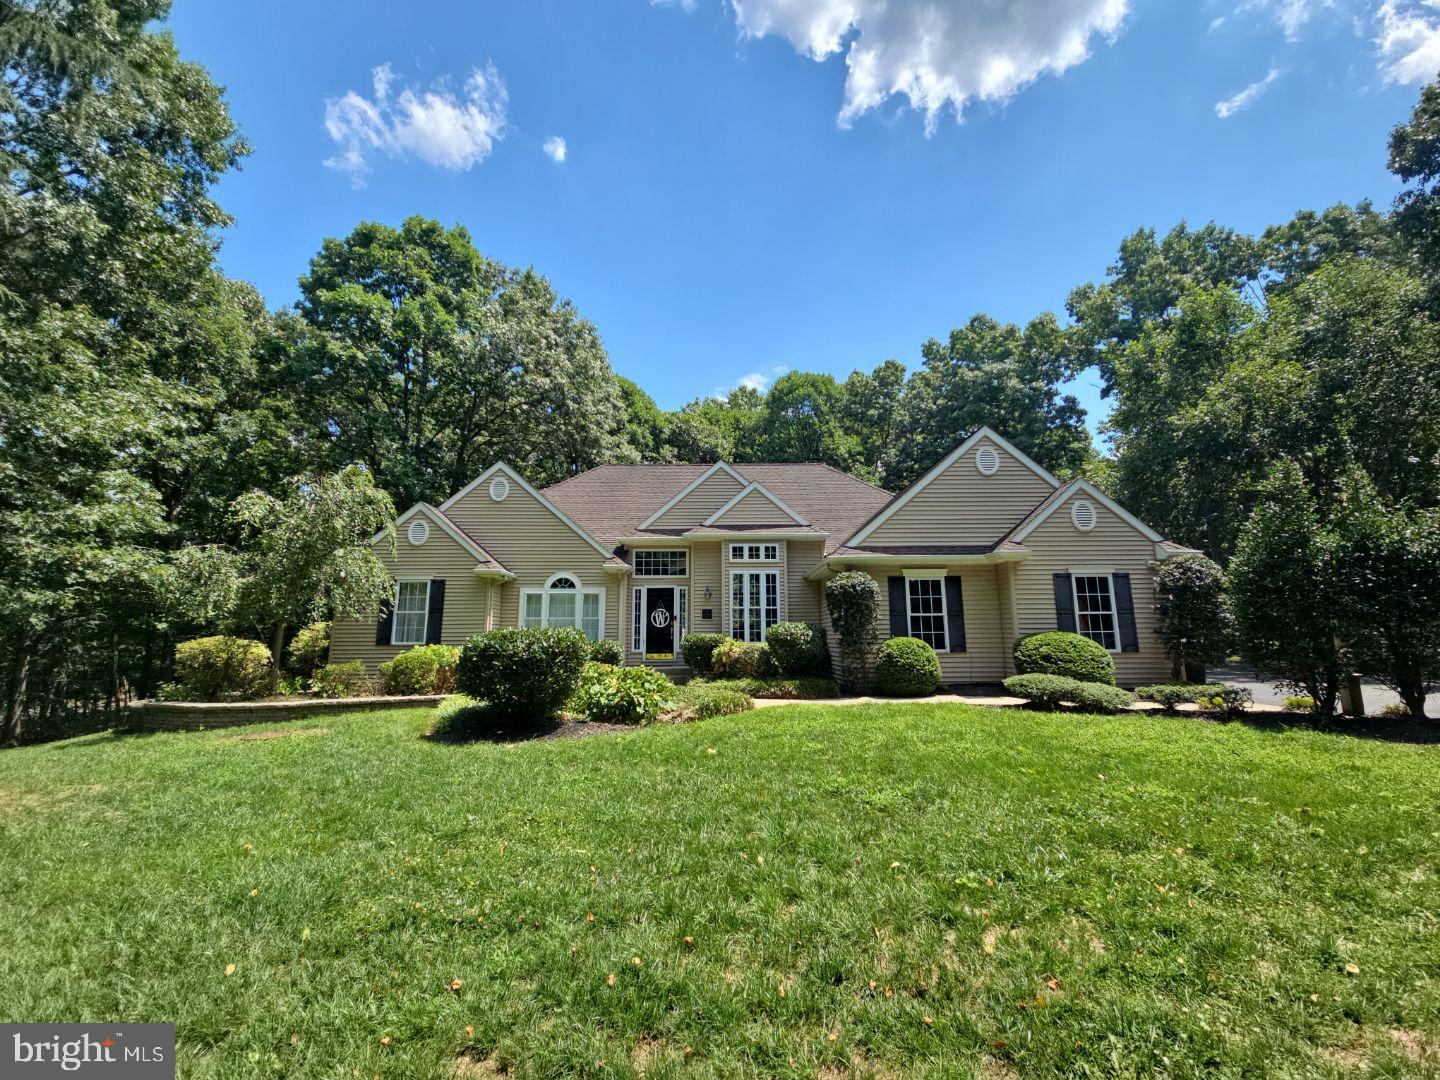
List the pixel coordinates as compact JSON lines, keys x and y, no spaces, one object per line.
{"x":783,"y":184}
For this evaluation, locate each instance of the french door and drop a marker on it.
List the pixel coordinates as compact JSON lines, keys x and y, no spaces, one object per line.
{"x":754,"y":603}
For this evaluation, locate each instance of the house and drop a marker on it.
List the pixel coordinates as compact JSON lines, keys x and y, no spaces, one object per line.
{"x":985,"y":547}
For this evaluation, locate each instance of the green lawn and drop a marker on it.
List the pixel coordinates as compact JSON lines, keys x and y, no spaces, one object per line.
{"x":897,"y":890}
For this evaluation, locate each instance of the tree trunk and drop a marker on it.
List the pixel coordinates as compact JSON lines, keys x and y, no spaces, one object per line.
{"x":1413,"y":694}
{"x":277,"y":647}
{"x":15,"y":706}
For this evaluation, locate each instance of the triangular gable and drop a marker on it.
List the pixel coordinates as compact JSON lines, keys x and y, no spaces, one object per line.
{"x":713,"y":487}
{"x":446,"y":526}
{"x":514,"y":477}
{"x":983,"y":434}
{"x":1090,"y":491}
{"x":754,"y":504}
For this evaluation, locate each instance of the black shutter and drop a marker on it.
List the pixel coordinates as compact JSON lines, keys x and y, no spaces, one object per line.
{"x":1125,"y":613}
{"x":1064,"y":603}
{"x":436,"y":615}
{"x":386,"y":623}
{"x":899,"y":613}
{"x":955,"y":613}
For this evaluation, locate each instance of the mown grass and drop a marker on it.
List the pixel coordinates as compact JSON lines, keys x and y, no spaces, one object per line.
{"x":893,"y":890}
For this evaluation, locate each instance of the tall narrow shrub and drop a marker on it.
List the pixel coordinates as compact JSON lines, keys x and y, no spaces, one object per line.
{"x":853,"y":600}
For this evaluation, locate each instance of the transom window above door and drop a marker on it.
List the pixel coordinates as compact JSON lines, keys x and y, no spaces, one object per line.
{"x":1095,"y":610}
{"x":661,"y":563}
{"x":564,"y":602}
{"x":754,"y":552}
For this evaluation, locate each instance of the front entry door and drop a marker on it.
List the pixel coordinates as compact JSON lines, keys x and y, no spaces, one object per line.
{"x":659,"y":623}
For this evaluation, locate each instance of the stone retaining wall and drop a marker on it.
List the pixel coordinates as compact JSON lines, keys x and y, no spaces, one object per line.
{"x":183,"y":715}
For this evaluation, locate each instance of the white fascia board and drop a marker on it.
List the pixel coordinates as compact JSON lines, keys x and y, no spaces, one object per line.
{"x":754,"y":487}
{"x":525,"y":486}
{"x":945,"y":463}
{"x":445,"y":526}
{"x":1100,"y":497}
{"x":719,"y":466}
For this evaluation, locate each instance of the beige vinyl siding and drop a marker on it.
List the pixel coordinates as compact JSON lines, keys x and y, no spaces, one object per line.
{"x":466,"y":598}
{"x":1005,"y":583}
{"x":694,"y":508}
{"x":705,"y":573}
{"x":755,"y":508}
{"x":984,"y":658}
{"x":1113,"y":545}
{"x":963,"y":506}
{"x":534,"y":544}
{"x":803,"y":556}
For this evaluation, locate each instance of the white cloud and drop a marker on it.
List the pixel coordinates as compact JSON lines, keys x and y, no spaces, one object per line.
{"x":555,"y":147}
{"x":1408,"y":40}
{"x":940,"y":54}
{"x":1230,"y":106}
{"x":756,"y":380}
{"x":438,"y":126}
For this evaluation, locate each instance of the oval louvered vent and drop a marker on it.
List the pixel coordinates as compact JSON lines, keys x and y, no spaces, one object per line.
{"x":499,"y":488}
{"x":1083,"y":515}
{"x":987,"y":460}
{"x":419,"y":531}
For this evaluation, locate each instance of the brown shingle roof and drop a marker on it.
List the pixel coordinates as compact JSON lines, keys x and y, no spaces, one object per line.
{"x":610,"y":501}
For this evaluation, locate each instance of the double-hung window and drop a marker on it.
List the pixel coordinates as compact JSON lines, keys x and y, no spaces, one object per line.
{"x":925,"y":611}
{"x":754,"y":603}
{"x":754,"y":552}
{"x":563,"y":602}
{"x":1095,"y":610}
{"x":412,"y":612}
{"x":660,"y":563}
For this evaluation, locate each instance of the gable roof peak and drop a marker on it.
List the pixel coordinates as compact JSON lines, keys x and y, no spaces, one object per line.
{"x":719,"y":466}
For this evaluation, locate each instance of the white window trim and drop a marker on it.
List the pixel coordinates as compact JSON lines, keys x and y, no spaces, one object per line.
{"x":663,"y":577}
{"x":637,"y":614}
{"x":779,"y":598}
{"x":761,"y":544}
{"x":934,"y":575}
{"x":579,"y":592}
{"x":395,"y":611}
{"x":1109,"y":576}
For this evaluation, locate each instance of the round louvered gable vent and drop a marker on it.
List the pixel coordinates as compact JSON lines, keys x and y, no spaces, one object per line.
{"x":987,"y":460}
{"x":1083,"y":515}
{"x":499,"y":488}
{"x":419,"y":531}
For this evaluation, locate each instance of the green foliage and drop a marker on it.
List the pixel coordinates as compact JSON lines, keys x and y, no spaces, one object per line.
{"x":621,"y":695}
{"x":703,"y":701}
{"x":342,"y":680}
{"x":698,"y":651}
{"x":907,"y":667}
{"x":1173,"y":694}
{"x":1043,"y":691}
{"x":853,"y":599}
{"x":222,"y":669}
{"x":523,"y":673}
{"x":1230,"y":703}
{"x":1195,"y":624}
{"x":310,"y":647}
{"x":1096,"y":697}
{"x":425,"y":669}
{"x":733,"y":659}
{"x":797,"y":648}
{"x":803,"y":419}
{"x":777,"y":686}
{"x":1301,"y":705}
{"x":1061,"y":653}
{"x":607,"y":651}
{"x":1284,"y":591}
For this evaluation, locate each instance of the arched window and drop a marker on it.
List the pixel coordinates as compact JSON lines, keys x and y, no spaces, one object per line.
{"x":564,"y":602}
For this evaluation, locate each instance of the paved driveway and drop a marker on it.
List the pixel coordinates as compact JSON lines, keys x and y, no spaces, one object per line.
{"x":1267,"y":692}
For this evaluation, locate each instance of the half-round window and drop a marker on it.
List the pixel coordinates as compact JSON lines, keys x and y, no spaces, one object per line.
{"x":987,"y":460}
{"x":1082,"y":515}
{"x":418,"y":532}
{"x":562,"y":581}
{"x":499,"y":488}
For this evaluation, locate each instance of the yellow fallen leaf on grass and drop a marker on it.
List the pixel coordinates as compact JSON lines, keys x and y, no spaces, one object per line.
{"x":385,"y":1040}
{"x":610,"y":979}
{"x":229,"y":969}
{"x":455,"y":984}
{"x":1352,"y":969}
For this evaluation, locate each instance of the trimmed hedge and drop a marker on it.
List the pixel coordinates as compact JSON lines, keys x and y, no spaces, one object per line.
{"x":607,"y":651}
{"x":342,"y":680}
{"x":797,"y":648}
{"x":1062,"y":653}
{"x":697,"y":649}
{"x":1173,"y":694}
{"x":621,"y":695}
{"x":1101,"y":698}
{"x":1051,"y":691}
{"x":222,"y":669}
{"x":523,"y":673}
{"x":741,"y":660}
{"x":907,"y":667}
{"x":425,"y":669}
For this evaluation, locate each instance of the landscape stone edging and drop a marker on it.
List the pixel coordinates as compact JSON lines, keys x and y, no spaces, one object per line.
{"x":180,"y":715}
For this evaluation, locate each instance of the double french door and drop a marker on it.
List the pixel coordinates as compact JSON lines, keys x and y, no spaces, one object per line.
{"x":754,"y":603}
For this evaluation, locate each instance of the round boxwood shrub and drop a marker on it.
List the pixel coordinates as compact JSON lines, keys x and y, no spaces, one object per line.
{"x":1100,"y":698}
{"x":621,"y":695}
{"x":906,"y":667}
{"x":222,"y":669}
{"x":697,"y":649}
{"x":741,"y":660}
{"x":523,"y":673}
{"x":1060,"y":653}
{"x":309,"y":648}
{"x":795,"y":647}
{"x":607,"y":651}
{"x":425,"y":669}
{"x":1042,"y":691}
